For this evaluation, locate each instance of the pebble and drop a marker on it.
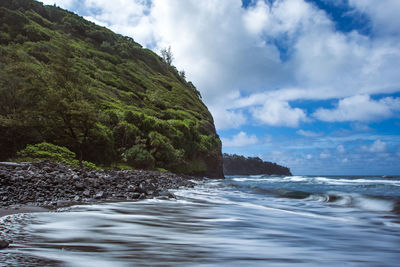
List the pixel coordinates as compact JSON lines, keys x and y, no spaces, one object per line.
{"x":47,"y":183}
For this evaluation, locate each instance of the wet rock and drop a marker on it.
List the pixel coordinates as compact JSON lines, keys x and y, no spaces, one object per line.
{"x":47,"y":183}
{"x":4,"y":244}
{"x":86,"y":193}
{"x":99,"y":195}
{"x":167,"y":194}
{"x":79,"y":186}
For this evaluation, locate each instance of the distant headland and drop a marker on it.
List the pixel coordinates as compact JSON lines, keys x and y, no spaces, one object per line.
{"x":240,"y":165}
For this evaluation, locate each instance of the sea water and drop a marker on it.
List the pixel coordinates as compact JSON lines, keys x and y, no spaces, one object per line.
{"x":239,"y":221}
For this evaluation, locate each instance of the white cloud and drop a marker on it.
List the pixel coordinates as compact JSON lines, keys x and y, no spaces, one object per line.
{"x":257,"y":17}
{"x":360,"y":108}
{"x":227,"y":119}
{"x":60,"y":3}
{"x":376,"y":147}
{"x":324,"y":154}
{"x":341,"y":149}
{"x":309,"y":156}
{"x":384,"y":14}
{"x":308,"y":133}
{"x":279,"y":113}
{"x":240,"y":140}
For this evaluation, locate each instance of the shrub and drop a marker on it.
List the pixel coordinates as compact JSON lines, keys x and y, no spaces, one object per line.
{"x":163,"y":151}
{"x":46,"y":151}
{"x":140,"y":158}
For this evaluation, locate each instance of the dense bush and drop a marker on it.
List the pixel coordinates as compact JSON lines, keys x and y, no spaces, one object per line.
{"x":138,"y":157}
{"x":46,"y":151}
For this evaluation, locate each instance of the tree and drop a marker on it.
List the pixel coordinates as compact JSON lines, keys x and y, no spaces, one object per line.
{"x":182,"y":74}
{"x":167,"y":56}
{"x":68,"y":108}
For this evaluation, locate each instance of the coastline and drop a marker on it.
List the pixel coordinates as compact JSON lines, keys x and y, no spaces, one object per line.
{"x":5,"y":211}
{"x":47,"y":186}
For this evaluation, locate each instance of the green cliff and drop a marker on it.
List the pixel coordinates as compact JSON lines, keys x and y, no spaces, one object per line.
{"x":240,"y":165}
{"x":69,"y":82}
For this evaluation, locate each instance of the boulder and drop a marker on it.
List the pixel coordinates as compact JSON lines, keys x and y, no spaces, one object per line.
{"x":4,"y":244}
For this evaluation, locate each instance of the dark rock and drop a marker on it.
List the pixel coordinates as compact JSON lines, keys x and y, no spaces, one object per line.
{"x":134,"y":195}
{"x":99,"y":195}
{"x":49,"y":184}
{"x":239,"y":165}
{"x":167,"y":194}
{"x":4,"y":244}
{"x":86,"y":193}
{"x":141,"y":188}
{"x":79,"y":186}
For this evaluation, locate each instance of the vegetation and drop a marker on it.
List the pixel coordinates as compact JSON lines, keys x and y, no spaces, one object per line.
{"x":239,"y":165}
{"x":46,"y":151}
{"x":69,"y":82}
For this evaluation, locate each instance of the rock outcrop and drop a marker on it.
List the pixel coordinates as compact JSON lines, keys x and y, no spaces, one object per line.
{"x":239,"y":165}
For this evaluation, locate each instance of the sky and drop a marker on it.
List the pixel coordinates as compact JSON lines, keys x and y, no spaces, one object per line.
{"x":313,"y":85}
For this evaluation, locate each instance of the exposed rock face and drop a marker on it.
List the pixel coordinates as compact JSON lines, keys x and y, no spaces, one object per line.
{"x":239,"y":165}
{"x":52,"y":184}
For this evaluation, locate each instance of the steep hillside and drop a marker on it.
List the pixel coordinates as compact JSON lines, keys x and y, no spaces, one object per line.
{"x":69,"y":82}
{"x":239,"y":165}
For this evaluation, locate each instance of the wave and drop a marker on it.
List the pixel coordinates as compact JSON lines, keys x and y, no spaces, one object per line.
{"x":343,"y":199}
{"x":319,"y":180}
{"x":355,"y":201}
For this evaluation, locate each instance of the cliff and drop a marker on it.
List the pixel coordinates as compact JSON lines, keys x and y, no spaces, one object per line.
{"x":69,"y":82}
{"x":239,"y":165}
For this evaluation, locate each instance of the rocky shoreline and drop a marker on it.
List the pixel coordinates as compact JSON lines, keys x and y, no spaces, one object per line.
{"x":54,"y":185}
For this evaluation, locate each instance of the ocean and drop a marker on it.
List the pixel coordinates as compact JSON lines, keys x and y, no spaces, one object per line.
{"x":239,"y":221}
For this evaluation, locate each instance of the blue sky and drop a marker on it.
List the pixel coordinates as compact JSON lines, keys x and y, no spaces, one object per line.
{"x":310,"y":84}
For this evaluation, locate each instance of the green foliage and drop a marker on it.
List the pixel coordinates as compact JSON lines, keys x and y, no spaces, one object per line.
{"x":125,"y":134}
{"x":67,"y":81}
{"x":46,"y":151}
{"x":140,"y":158}
{"x":163,"y":151}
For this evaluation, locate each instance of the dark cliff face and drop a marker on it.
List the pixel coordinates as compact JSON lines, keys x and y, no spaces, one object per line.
{"x":239,"y":165}
{"x":69,"y":82}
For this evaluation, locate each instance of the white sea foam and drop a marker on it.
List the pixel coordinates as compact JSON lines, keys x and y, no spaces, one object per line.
{"x":373,"y":204}
{"x":353,"y":200}
{"x":333,"y":181}
{"x":299,"y":213}
{"x":296,"y":178}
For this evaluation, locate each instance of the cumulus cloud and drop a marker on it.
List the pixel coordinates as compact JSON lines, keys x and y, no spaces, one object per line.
{"x":279,"y":113}
{"x":360,"y":108}
{"x":384,"y":15}
{"x":376,"y":147}
{"x":227,"y":119}
{"x":240,"y":140}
